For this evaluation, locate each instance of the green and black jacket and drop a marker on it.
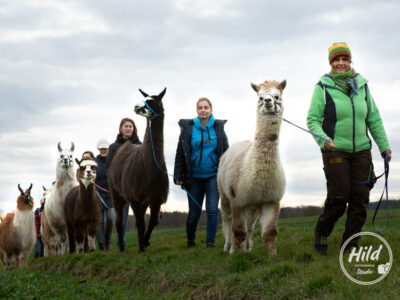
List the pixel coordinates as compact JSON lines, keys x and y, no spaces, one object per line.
{"x":345,"y":119}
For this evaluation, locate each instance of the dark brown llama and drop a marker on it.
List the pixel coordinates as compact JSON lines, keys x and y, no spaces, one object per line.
{"x":134,"y":176}
{"x":82,"y":209}
{"x":17,"y":231}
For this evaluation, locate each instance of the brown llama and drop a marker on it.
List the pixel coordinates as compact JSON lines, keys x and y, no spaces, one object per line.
{"x":82,"y":209}
{"x":134,"y":176}
{"x":17,"y":231}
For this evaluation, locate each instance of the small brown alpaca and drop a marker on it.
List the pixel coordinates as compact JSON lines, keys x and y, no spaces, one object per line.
{"x":17,"y":231}
{"x":82,"y":209}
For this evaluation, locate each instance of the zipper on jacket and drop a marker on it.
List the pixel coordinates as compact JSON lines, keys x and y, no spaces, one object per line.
{"x":354,"y":124}
{"x":201,"y":146}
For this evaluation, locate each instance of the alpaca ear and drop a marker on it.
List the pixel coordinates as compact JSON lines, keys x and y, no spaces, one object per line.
{"x":19,"y":187}
{"x":143,"y":93}
{"x":72,"y":147}
{"x":255,"y":87}
{"x":59,"y":146}
{"x":281,"y":85}
{"x":30,"y":187}
{"x":44,"y":189}
{"x":77,"y":161}
{"x":161,"y":95}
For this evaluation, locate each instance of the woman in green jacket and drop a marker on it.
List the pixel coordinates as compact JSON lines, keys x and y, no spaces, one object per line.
{"x":343,"y":111}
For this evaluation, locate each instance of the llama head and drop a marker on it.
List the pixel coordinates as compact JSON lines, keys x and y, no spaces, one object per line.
{"x":87,"y":171}
{"x":152,"y":106}
{"x":270,"y":97}
{"x":65,"y":160}
{"x":44,"y":195}
{"x":25,"y":201}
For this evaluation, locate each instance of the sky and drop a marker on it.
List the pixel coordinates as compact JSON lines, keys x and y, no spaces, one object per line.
{"x":71,"y":70}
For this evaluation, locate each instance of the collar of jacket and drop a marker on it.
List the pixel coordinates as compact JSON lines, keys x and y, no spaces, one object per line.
{"x":327,"y":81}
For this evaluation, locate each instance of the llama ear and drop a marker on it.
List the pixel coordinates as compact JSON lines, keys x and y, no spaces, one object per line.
{"x":30,"y":187}
{"x":161,"y":95}
{"x":77,"y":161}
{"x":19,"y":187}
{"x":143,"y":93}
{"x":59,"y":146}
{"x":72,"y":147}
{"x":255,"y":87}
{"x":44,"y":189}
{"x":281,"y":85}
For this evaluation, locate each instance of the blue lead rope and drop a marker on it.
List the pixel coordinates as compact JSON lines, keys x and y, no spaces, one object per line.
{"x":155,"y":115}
{"x":176,"y":179}
{"x":386,"y":173}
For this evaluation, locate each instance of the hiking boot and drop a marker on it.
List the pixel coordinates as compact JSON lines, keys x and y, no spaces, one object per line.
{"x":210,"y":246}
{"x":108,"y":245}
{"x":101,"y":246}
{"x":321,"y":244}
{"x":190,"y":244}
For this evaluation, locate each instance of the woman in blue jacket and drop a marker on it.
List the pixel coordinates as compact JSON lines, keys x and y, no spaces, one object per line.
{"x":201,"y":143}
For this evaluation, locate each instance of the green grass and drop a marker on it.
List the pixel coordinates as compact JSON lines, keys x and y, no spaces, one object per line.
{"x":168,"y":270}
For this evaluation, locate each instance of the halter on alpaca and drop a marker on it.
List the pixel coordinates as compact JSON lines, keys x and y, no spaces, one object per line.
{"x":134,"y":176}
{"x":251,"y":180}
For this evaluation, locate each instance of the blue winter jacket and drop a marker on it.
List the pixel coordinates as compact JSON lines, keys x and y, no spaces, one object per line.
{"x":204,"y":143}
{"x":183,"y":170}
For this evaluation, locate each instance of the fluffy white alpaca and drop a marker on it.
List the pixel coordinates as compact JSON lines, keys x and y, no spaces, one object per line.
{"x":251,"y":180}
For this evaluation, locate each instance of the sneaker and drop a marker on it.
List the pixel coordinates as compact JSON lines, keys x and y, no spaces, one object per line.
{"x":321,"y":244}
{"x":190,"y":244}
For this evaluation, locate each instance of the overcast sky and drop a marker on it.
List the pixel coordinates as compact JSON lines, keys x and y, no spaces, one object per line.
{"x":70,"y":71}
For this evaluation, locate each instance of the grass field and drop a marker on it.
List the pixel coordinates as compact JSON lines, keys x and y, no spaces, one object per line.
{"x":168,"y":270}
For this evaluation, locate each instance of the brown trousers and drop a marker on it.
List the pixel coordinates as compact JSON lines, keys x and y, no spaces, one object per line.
{"x":343,"y":190}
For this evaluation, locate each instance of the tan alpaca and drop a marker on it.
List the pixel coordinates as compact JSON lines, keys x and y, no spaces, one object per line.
{"x":17,"y":231}
{"x":251,"y":180}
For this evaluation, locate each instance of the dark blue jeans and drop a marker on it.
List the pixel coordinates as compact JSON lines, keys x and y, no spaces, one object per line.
{"x":125,"y":225}
{"x":199,"y":188}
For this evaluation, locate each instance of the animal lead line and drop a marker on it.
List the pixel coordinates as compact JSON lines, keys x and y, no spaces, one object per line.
{"x":157,"y":164}
{"x":386,"y":173}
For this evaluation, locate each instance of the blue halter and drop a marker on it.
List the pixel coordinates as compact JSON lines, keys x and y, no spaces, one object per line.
{"x":154,"y":114}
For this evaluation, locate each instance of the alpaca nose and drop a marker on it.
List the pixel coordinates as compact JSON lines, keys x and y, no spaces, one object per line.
{"x":267,"y":102}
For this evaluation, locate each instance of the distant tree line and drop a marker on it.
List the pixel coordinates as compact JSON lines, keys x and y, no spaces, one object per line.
{"x":176,"y":218}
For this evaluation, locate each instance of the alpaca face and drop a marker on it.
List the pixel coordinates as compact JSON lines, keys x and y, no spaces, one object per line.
{"x":25,"y":201}
{"x":269,"y":101}
{"x":152,"y":106}
{"x":270,"y":97}
{"x":66,"y":160}
{"x":87,"y":171}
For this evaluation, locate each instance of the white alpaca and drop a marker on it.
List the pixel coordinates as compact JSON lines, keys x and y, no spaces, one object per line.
{"x":17,"y":231}
{"x":251,"y":180}
{"x":53,"y":225}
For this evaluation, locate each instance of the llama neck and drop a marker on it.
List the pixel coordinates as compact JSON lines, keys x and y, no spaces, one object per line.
{"x":157,"y":133}
{"x":65,"y":174}
{"x":267,"y":138}
{"x":24,"y":221}
{"x":87,"y":197}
